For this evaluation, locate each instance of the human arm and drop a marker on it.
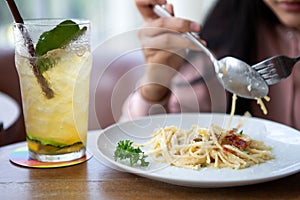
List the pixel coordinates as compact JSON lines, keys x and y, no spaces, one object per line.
{"x":163,"y":48}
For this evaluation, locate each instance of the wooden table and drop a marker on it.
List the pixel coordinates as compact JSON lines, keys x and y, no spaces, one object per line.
{"x":94,"y":180}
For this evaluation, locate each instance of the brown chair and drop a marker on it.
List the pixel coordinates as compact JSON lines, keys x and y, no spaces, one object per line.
{"x":9,"y":84}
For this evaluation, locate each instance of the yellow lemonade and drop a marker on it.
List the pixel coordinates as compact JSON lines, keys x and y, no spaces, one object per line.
{"x":56,"y":125}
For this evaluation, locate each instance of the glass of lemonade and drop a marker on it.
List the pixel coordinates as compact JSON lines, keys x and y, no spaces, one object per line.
{"x":53,"y":59}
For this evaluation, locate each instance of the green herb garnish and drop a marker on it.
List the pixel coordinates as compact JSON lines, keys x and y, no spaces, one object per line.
{"x":58,"y":37}
{"x":125,"y":150}
{"x":63,"y":34}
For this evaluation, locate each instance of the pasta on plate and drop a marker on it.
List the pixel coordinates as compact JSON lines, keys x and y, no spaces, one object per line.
{"x":203,"y":147}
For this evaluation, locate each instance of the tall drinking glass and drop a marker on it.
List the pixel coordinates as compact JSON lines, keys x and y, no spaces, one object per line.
{"x":53,"y":60}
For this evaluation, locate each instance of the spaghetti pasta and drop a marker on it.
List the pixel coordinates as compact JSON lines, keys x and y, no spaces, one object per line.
{"x":200,"y":147}
{"x":262,"y":105}
{"x":214,"y":146}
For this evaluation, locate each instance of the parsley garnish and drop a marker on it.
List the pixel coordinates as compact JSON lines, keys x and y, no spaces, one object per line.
{"x":125,"y":150}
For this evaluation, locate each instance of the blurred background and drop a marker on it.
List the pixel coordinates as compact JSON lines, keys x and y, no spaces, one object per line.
{"x":108,"y":17}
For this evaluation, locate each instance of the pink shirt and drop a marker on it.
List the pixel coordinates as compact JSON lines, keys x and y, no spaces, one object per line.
{"x":209,"y":95}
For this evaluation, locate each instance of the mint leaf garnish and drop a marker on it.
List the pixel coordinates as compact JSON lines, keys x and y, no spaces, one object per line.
{"x":58,"y":37}
{"x":63,"y":34}
{"x":44,"y":64}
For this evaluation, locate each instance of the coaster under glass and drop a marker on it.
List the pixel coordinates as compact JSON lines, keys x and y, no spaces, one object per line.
{"x":21,"y":157}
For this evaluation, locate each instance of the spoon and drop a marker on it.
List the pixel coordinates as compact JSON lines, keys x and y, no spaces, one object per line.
{"x":235,"y":75}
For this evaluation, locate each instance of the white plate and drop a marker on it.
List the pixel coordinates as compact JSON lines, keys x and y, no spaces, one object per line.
{"x":285,"y":142}
{"x":9,"y":110}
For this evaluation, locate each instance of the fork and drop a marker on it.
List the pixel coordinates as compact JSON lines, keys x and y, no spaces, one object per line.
{"x":276,"y":68}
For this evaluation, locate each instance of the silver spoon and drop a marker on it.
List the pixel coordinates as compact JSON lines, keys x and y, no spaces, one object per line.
{"x":235,"y":75}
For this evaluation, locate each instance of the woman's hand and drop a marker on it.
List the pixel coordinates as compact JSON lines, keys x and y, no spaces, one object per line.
{"x":163,"y":46}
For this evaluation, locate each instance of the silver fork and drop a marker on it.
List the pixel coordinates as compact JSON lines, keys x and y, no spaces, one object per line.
{"x":276,"y":68}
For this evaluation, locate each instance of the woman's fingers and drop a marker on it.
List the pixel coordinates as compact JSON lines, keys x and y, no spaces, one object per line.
{"x":170,"y":9}
{"x":146,"y":8}
{"x":165,"y":39}
{"x":162,"y":25}
{"x":176,"y":24}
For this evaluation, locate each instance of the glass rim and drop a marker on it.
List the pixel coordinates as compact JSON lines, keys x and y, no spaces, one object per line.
{"x":52,"y":21}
